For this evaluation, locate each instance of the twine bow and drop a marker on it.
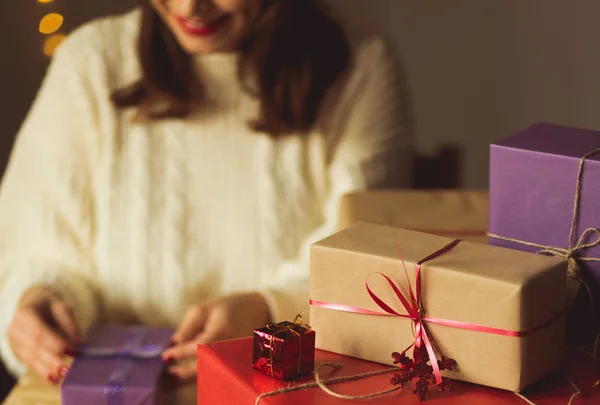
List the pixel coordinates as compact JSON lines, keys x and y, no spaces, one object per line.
{"x":572,"y":254}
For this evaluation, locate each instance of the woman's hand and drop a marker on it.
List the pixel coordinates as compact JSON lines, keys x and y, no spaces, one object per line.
{"x":42,"y":333}
{"x":222,"y":318}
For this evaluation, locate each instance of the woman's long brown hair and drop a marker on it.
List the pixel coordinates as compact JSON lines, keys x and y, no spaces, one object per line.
{"x":293,"y":52}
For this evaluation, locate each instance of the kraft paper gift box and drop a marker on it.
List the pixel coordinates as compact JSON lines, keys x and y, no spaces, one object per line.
{"x":119,"y":365}
{"x":545,"y":196}
{"x":515,"y":292}
{"x":451,"y":213}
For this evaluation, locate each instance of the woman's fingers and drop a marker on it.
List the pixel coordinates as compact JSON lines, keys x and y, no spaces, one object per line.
{"x":37,"y":345}
{"x":193,"y":322}
{"x":46,"y":337}
{"x":32,"y":330}
{"x":181,"y":352}
{"x":35,"y":364}
{"x":65,"y":320}
{"x":216,"y":328}
{"x":49,"y":365}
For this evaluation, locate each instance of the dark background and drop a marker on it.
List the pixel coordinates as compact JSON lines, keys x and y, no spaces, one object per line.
{"x":22,"y":61}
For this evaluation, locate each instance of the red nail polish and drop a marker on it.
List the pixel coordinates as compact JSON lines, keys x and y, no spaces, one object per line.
{"x":70,"y":352}
{"x":52,"y":379}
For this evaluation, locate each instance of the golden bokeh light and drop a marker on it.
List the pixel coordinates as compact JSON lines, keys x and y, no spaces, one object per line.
{"x":51,"y":23}
{"x":44,"y":1}
{"x":52,"y":43}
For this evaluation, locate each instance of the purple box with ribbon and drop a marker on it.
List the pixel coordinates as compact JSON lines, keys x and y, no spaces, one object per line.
{"x":119,"y":365}
{"x":545,"y":196}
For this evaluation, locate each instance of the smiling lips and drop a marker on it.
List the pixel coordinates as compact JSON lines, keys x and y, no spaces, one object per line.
{"x":193,"y":27}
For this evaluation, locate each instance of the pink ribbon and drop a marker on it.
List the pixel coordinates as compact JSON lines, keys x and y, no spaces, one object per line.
{"x":453,"y":232}
{"x":415,"y":312}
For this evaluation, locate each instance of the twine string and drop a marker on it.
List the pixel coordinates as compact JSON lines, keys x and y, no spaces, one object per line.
{"x":320,"y":382}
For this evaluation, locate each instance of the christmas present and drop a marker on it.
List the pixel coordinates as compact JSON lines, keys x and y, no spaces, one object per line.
{"x":497,"y":312}
{"x":118,"y":365}
{"x":544,"y":193}
{"x":225,"y":378}
{"x":452,"y":213}
{"x":284,"y":350}
{"x":34,"y":390}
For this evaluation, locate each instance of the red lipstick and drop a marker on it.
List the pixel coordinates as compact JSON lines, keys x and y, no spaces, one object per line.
{"x":202,"y":29}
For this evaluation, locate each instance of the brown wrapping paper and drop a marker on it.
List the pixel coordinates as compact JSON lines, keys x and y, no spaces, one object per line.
{"x":472,"y":283}
{"x":453,"y":213}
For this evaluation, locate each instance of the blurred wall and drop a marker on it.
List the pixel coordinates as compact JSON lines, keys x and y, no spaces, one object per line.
{"x":478,"y":70}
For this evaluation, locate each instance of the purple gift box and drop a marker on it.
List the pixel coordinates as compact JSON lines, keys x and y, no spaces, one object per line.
{"x":119,"y":365}
{"x":545,"y":194}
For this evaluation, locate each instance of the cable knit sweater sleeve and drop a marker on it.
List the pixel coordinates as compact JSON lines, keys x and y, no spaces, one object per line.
{"x":372,"y":149}
{"x":46,"y":199}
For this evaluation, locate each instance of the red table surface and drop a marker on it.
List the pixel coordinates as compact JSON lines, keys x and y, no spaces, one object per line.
{"x":225,"y":377}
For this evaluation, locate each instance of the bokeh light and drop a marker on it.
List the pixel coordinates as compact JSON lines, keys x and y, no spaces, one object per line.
{"x":51,"y":23}
{"x":44,"y":1}
{"x":52,"y":42}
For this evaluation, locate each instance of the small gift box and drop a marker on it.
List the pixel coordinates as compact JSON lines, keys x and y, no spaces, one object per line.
{"x":498,"y":312}
{"x":118,"y":365}
{"x":452,"y":213}
{"x":284,"y":350}
{"x":544,"y":194}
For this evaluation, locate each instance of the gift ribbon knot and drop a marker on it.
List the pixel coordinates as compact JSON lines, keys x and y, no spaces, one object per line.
{"x":414,"y":306}
{"x":573,"y":253}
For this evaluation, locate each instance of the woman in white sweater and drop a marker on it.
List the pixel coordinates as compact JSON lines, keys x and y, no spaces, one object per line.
{"x":176,"y":165}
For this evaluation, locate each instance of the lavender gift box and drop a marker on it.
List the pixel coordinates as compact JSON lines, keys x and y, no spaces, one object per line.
{"x":545,"y":195}
{"x":119,"y":365}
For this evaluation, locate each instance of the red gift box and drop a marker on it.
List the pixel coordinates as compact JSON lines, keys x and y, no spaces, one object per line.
{"x":284,"y":350}
{"x":225,"y":377}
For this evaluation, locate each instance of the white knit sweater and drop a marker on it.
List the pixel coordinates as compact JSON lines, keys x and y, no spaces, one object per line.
{"x":133,"y":223}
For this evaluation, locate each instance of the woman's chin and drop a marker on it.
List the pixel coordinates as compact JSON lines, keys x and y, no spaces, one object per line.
{"x":193,"y":45}
{"x":200,"y":49}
